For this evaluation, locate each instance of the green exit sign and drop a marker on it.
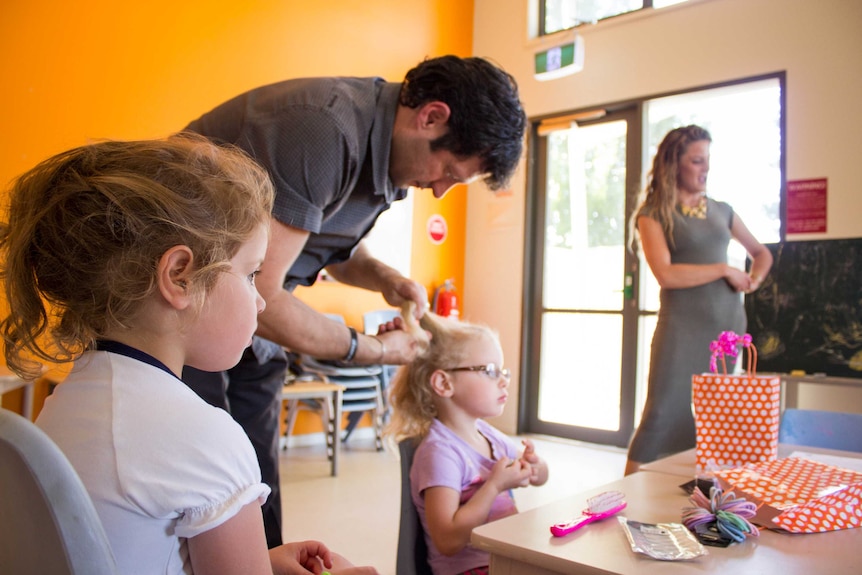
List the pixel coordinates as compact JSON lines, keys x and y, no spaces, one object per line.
{"x":560,"y":60}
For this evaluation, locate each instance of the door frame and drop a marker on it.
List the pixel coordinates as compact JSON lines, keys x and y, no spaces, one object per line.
{"x":533,"y":308}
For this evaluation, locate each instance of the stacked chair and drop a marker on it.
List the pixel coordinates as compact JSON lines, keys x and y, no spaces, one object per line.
{"x":363,"y":391}
{"x":370,"y":323}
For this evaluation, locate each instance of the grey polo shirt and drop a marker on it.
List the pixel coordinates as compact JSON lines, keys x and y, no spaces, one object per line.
{"x":325,"y":142}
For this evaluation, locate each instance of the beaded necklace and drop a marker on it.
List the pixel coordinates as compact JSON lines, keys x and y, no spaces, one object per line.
{"x":698,"y":211}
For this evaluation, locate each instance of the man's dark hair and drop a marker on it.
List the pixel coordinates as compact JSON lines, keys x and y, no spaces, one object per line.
{"x":486,"y":117}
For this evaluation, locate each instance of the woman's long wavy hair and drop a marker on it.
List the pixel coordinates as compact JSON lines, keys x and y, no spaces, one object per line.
{"x":86,"y":229}
{"x":659,"y":195}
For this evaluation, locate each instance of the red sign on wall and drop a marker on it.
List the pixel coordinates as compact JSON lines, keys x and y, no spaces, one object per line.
{"x":806,"y":206}
{"x":437,"y":229}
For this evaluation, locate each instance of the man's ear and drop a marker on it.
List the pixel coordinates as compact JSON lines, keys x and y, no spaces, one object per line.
{"x":434,"y":116}
{"x":441,"y":383}
{"x":172,"y":276}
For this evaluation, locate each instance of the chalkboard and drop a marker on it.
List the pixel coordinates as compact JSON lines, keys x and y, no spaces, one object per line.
{"x":808,"y":313}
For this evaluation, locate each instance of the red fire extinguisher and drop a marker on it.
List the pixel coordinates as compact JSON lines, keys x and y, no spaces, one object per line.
{"x":446,"y":300}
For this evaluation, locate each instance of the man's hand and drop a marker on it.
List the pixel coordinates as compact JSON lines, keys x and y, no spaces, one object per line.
{"x":364,"y":271}
{"x":401,"y":346}
{"x":400,"y":289}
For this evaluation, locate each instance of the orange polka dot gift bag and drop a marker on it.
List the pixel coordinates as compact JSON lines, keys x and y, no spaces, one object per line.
{"x":736,"y":415}
{"x":800,"y":495}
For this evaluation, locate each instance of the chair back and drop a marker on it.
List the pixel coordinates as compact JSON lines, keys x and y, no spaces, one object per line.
{"x":828,"y":429}
{"x":364,"y":389}
{"x":48,"y":525}
{"x":371,"y":320}
{"x":370,"y":323}
{"x":412,"y":557}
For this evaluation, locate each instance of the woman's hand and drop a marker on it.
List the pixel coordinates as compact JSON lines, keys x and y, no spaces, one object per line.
{"x":737,"y":279}
{"x":754,"y":283}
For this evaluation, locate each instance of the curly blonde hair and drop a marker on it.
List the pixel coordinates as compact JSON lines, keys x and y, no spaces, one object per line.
{"x":410,"y":395}
{"x":87,"y":227}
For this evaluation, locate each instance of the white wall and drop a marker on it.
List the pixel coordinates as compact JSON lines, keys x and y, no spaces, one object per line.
{"x":701,"y":42}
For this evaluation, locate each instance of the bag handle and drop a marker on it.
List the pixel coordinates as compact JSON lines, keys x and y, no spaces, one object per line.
{"x":752,"y":358}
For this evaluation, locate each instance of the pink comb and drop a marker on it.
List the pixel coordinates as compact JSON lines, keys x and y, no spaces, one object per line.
{"x":598,"y":507}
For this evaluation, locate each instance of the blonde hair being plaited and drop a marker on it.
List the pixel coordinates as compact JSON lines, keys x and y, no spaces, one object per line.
{"x":411,"y":396}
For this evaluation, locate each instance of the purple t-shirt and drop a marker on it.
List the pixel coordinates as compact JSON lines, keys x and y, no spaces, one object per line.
{"x":445,"y":460}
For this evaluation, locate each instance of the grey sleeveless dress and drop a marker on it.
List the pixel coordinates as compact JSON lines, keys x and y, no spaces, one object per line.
{"x":688,"y":321}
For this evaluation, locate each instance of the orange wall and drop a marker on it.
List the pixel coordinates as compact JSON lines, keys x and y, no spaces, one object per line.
{"x":91,"y":69}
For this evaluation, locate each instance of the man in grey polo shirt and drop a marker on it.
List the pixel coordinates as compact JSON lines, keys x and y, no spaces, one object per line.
{"x":340,"y":151}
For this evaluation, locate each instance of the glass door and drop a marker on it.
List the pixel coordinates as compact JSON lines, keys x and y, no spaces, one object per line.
{"x":585,"y":281}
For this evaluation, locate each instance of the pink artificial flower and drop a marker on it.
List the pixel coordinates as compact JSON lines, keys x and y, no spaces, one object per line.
{"x":728,"y":343}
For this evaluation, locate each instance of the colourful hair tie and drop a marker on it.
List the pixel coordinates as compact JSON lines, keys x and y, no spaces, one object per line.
{"x":728,"y":513}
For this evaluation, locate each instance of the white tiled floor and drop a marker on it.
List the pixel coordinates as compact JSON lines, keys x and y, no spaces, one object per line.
{"x":357,"y":513}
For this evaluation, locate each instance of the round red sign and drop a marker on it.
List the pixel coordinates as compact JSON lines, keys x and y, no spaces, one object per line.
{"x":437,"y":229}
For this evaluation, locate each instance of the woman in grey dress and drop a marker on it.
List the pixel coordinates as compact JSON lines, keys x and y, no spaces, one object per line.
{"x":684,"y":237}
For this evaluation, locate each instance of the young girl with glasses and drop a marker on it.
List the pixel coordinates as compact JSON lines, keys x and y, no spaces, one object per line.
{"x":463,"y":469}
{"x":132,"y":259}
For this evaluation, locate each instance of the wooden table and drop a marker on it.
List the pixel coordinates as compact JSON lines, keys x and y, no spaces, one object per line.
{"x":522,"y":544}
{"x":12,"y":382}
{"x":330,"y":393}
{"x":683,"y":463}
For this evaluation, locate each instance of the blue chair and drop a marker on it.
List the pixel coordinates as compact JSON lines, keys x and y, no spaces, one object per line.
{"x":827,"y":429}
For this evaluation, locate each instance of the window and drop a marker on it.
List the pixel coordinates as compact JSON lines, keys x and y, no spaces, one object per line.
{"x":385,"y":240}
{"x":745,"y":154}
{"x":557,"y":15}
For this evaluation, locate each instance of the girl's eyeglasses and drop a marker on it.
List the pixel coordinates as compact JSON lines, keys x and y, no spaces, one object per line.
{"x":491,"y":370}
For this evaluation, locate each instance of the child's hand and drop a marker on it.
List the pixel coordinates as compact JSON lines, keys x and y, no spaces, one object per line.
{"x":538,"y":468}
{"x":529,"y":454}
{"x":299,"y":557}
{"x":509,"y":473}
{"x":341,"y":566}
{"x":312,"y":557}
{"x":354,"y":571}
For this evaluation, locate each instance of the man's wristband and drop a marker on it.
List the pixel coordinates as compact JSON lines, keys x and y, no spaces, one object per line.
{"x":354,"y":345}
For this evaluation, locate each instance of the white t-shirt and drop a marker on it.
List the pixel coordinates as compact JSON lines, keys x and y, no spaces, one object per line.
{"x":160,"y":464}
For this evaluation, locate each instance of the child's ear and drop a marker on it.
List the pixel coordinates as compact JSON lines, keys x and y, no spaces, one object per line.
{"x":172,"y":276}
{"x":441,"y":383}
